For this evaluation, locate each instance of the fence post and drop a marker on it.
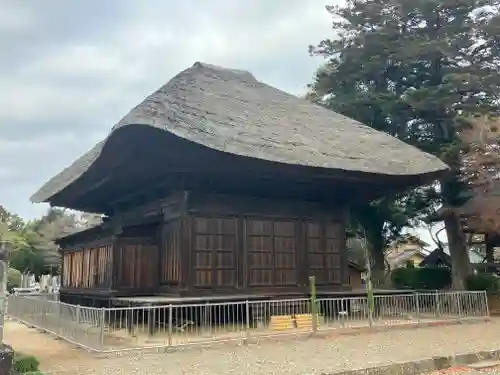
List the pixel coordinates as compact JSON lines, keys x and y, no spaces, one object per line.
{"x":485,"y":300}
{"x":314,"y":306}
{"x":370,"y":301}
{"x":417,"y":306}
{"x":102,"y":323}
{"x":45,"y":308}
{"x":459,"y":306}
{"x":170,"y":323}
{"x":438,"y":307}
{"x":247,"y":322}
{"x":78,"y":314}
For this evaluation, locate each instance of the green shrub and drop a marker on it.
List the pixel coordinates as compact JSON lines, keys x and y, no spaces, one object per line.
{"x":14,"y":278}
{"x":483,"y":281}
{"x":25,"y":364}
{"x":404,"y":278}
{"x":430,"y":278}
{"x":434,"y":278}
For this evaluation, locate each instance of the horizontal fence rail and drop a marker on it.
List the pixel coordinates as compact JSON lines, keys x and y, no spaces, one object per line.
{"x":131,"y":328}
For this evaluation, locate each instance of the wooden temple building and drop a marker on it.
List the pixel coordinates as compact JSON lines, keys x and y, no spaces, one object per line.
{"x":219,"y":186}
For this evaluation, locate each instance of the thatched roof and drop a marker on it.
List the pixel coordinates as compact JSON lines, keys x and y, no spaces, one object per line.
{"x":231,"y":111}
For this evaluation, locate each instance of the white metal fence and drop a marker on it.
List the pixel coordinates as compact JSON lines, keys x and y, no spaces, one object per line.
{"x":119,"y":329}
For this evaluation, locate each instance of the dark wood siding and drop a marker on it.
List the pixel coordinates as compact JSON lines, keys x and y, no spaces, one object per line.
{"x":271,"y":252}
{"x":214,"y":252}
{"x":66,"y":270}
{"x":268,"y":254}
{"x":104,"y":266}
{"x":171,"y":254}
{"x":76,"y":269}
{"x":215,"y":245}
{"x":324,"y":243}
{"x":137,"y":264}
{"x":88,"y":268}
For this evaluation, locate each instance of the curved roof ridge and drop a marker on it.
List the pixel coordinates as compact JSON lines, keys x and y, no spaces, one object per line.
{"x":231,"y":111}
{"x":244,"y":74}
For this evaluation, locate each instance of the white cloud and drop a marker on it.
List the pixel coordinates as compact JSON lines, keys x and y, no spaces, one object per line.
{"x":72,"y":73}
{"x":16,"y":19}
{"x":86,"y":77}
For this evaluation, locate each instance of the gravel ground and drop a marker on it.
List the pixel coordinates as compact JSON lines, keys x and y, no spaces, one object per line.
{"x":467,"y":371}
{"x":297,"y":357}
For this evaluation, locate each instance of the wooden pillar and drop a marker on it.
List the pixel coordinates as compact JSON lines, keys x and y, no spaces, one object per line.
{"x":61,"y":268}
{"x":186,"y":244}
{"x":344,"y":259}
{"x":241,"y":256}
{"x":115,"y":255}
{"x":302,"y":258}
{"x":162,"y":242}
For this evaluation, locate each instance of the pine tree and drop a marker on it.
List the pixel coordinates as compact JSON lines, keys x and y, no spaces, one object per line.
{"x":416,"y":69}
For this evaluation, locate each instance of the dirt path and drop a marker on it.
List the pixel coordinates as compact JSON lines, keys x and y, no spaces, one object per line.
{"x":49,"y":350}
{"x":297,"y":357}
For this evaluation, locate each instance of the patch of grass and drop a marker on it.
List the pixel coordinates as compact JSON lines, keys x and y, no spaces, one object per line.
{"x":26,"y":364}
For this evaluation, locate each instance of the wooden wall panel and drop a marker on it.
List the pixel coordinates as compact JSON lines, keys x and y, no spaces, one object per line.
{"x":214,"y":252}
{"x":76,"y":269}
{"x":93,"y":267}
{"x":66,"y":276}
{"x":271,"y":248}
{"x":324,"y":243}
{"x":171,"y":254}
{"x":87,"y":268}
{"x":87,"y":274}
{"x":137,"y":264}
{"x":104,"y":266}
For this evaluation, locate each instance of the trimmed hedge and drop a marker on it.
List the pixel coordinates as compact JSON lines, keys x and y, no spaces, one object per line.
{"x":435,"y":278}
{"x":483,"y":281}
{"x":429,"y":278}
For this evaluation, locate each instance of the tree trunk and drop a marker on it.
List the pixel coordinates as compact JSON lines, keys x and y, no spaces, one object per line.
{"x":376,"y":248}
{"x":460,"y":263}
{"x":489,"y":244}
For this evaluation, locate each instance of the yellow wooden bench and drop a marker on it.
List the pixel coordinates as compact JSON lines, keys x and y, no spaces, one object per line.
{"x":281,"y":322}
{"x":305,"y":320}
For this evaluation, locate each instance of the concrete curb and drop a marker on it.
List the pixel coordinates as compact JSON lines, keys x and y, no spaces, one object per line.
{"x":424,"y":365}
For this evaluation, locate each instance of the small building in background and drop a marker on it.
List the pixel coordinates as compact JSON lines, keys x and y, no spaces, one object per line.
{"x":441,"y":258}
{"x":356,"y":275}
{"x":407,"y":249}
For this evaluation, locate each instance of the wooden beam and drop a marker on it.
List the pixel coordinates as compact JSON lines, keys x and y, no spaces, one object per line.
{"x":147,"y":190}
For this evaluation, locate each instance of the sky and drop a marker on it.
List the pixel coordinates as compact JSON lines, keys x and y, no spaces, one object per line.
{"x":74,"y":68}
{"x":71,"y":69}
